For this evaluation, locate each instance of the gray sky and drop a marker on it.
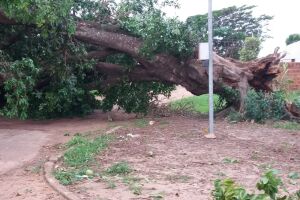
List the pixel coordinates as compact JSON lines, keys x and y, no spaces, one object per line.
{"x":286,"y":16}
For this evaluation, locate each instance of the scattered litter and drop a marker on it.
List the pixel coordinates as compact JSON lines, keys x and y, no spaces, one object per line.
{"x":132,"y":135}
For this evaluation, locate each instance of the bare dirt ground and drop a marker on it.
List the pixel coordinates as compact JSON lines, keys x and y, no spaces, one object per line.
{"x":26,"y":145}
{"x":172,"y":159}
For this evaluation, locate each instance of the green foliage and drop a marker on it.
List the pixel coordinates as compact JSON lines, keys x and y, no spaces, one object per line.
{"x":61,"y":86}
{"x":228,"y":190}
{"x":292,"y":38}
{"x":250,"y":49}
{"x":297,"y":102}
{"x":39,"y":12}
{"x":78,"y":156}
{"x":65,"y":177}
{"x":82,"y":151}
{"x":146,"y":20}
{"x":19,"y":88}
{"x":262,"y":106}
{"x":227,"y":97}
{"x":121,"y":168}
{"x":232,"y":26}
{"x":133,"y":97}
{"x":235,"y":116}
{"x":269,"y":183}
{"x":69,"y":176}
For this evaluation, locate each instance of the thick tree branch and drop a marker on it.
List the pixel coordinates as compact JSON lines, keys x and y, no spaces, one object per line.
{"x":100,"y":37}
{"x":166,"y":68}
{"x":100,"y":54}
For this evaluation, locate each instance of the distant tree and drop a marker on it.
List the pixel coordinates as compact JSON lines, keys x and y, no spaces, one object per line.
{"x":251,"y":49}
{"x":292,"y":38}
{"x":231,"y":27}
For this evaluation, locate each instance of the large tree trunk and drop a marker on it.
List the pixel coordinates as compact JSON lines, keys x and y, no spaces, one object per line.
{"x":190,"y":73}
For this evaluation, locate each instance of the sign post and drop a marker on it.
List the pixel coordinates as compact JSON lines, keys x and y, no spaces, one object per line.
{"x":210,"y":134}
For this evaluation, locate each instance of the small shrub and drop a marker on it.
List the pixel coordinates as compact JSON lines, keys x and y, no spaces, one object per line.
{"x":235,"y":116}
{"x":121,"y":168}
{"x":228,"y":190}
{"x":262,"y":106}
{"x":227,"y":97}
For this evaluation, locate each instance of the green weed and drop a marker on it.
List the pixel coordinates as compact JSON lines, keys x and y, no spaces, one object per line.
{"x":287,"y":125}
{"x":133,"y":184}
{"x":269,"y":184}
{"x":82,"y":151}
{"x":121,"y":168}
{"x":230,"y":161}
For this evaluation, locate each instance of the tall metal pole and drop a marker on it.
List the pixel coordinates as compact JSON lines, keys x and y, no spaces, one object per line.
{"x":210,"y":72}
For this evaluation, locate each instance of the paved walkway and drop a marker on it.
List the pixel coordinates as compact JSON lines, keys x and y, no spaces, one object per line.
{"x":18,"y":147}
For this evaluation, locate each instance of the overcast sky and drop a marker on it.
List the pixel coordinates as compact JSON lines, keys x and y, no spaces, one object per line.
{"x":286,"y":16}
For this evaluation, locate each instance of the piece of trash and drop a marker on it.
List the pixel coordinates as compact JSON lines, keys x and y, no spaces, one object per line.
{"x":132,"y":135}
{"x":151,"y":123}
{"x":150,"y":154}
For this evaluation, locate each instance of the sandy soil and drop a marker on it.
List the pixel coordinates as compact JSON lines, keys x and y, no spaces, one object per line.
{"x":184,"y":164}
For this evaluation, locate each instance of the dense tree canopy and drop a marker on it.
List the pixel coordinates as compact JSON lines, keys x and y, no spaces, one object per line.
{"x":292,"y":38}
{"x":56,"y":56}
{"x":232,"y":26}
{"x":250,"y":49}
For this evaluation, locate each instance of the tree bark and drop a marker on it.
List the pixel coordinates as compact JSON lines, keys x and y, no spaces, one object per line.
{"x":190,"y":73}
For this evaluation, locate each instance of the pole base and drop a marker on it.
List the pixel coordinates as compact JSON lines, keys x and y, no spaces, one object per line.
{"x":210,"y":136}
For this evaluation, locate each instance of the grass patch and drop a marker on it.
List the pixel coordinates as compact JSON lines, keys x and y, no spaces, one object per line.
{"x":287,"y":125}
{"x":196,"y":104}
{"x":82,"y":151}
{"x":65,"y":177}
{"x":78,"y":156}
{"x":121,"y":168}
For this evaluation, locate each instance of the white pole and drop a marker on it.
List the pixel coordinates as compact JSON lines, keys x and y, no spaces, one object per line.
{"x":210,"y":73}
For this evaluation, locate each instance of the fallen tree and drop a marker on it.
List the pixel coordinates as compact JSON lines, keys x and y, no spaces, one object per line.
{"x":118,"y":58}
